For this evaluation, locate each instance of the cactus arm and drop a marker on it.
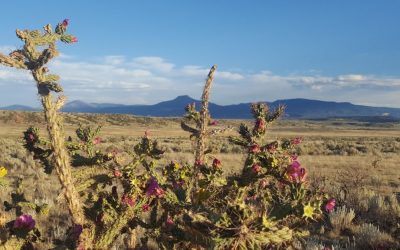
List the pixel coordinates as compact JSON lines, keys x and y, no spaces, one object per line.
{"x":11,"y":62}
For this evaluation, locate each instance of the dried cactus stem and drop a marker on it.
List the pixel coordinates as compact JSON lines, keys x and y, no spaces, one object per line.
{"x":63,"y":166}
{"x":62,"y":160}
{"x":204,"y":116}
{"x":204,"y":120}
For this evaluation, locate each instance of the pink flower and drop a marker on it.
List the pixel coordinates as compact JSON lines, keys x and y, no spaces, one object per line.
{"x":97,"y":140}
{"x":117,"y":173}
{"x":296,"y":140}
{"x":295,"y":172}
{"x":330,"y":205}
{"x":260,"y":125}
{"x":25,"y":221}
{"x":31,"y":137}
{"x":199,"y":163}
{"x":145,"y":207}
{"x":213,"y":123}
{"x":153,"y":189}
{"x":216,"y":163}
{"x":128,"y":200}
{"x":74,"y":39}
{"x":169,"y":221}
{"x":263,"y":183}
{"x":256,"y":168}
{"x":254,"y":149}
{"x":65,"y":23}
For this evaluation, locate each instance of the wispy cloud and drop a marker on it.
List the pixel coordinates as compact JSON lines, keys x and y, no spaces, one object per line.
{"x":6,"y":49}
{"x":152,"y":79}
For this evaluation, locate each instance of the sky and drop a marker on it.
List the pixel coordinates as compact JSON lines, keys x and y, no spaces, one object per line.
{"x":144,"y":52}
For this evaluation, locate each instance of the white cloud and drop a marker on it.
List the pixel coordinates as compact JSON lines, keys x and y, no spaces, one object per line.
{"x":152,"y":62}
{"x":351,"y":78}
{"x":6,"y":49}
{"x":193,"y":70}
{"x":120,"y":79}
{"x":114,"y":60}
{"x":14,"y":76}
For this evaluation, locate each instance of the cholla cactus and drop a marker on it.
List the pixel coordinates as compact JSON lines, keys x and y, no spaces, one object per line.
{"x":265,"y":205}
{"x":39,"y":48}
{"x":189,"y":206}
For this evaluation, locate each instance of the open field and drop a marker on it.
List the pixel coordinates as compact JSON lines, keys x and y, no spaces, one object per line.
{"x":329,"y":148}
{"x":346,"y":158}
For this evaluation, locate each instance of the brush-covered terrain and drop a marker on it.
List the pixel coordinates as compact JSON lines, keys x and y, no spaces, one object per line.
{"x":355,"y":162}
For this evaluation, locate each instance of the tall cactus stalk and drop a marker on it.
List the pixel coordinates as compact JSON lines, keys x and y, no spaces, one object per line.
{"x":200,"y":131}
{"x":204,"y":116}
{"x":33,"y":59}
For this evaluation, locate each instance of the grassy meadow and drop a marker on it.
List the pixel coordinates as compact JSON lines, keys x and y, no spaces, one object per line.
{"x":356,"y":162}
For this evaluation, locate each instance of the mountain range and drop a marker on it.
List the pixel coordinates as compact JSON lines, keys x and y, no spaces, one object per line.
{"x":295,"y":108}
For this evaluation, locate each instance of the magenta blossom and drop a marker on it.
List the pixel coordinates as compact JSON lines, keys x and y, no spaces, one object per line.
{"x":254,"y":149}
{"x":216,"y":163}
{"x":153,"y":189}
{"x":25,"y":221}
{"x":169,"y":221}
{"x":263,"y":183}
{"x":213,"y":123}
{"x":117,"y":173}
{"x":296,"y":141}
{"x":260,"y":125}
{"x":199,"y":163}
{"x":97,"y":140}
{"x":31,"y":137}
{"x":128,"y":200}
{"x":256,"y":168}
{"x":145,"y":207}
{"x":330,"y":205}
{"x":295,"y":172}
{"x":65,"y":23}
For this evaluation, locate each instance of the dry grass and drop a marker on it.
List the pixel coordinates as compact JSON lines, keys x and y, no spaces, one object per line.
{"x":355,"y":162}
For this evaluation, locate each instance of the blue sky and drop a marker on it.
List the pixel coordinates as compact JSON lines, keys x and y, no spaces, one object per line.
{"x":149,"y":51}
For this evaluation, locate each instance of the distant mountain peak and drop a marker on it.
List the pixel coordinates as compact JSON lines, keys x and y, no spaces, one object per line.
{"x":184,"y":98}
{"x":299,"y":108}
